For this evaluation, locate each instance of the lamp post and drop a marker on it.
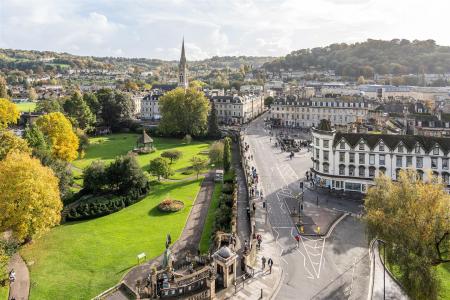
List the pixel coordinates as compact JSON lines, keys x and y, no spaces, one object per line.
{"x":384,"y":268}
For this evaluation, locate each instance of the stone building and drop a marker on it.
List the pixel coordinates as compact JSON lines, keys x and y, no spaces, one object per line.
{"x":234,"y":109}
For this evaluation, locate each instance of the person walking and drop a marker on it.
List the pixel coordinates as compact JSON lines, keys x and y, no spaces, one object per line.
{"x":297,"y":238}
{"x":270,"y":264}
{"x":254,"y":207}
{"x":263,"y":261}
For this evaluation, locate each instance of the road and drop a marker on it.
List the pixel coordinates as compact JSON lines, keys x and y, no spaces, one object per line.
{"x":333,"y":267}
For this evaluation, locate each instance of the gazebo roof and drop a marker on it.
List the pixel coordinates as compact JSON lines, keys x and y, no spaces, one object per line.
{"x":145,"y":138}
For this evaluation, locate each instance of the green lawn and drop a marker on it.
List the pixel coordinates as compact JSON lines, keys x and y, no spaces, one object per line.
{"x":4,"y":292}
{"x":209,"y":223}
{"x":106,"y":148}
{"x":80,"y":260}
{"x":26,"y":106}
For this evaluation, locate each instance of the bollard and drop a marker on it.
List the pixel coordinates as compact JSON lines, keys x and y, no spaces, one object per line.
{"x":261,"y":294}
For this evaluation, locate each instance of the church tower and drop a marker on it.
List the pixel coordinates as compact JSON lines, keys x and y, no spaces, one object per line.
{"x":182,"y":69}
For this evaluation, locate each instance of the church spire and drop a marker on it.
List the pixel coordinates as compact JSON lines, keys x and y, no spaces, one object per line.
{"x":182,"y":69}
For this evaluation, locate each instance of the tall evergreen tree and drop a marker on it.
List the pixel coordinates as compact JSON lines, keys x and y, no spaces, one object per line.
{"x":227,"y":154}
{"x":213,"y":126}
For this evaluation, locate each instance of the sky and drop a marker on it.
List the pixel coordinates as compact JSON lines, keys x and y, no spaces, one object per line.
{"x":155,"y":28}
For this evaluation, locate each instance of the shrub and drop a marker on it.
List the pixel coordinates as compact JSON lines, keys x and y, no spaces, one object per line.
{"x":172,"y":155}
{"x":187,"y":139}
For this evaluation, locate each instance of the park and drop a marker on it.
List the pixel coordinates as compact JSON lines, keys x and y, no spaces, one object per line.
{"x":87,"y":257}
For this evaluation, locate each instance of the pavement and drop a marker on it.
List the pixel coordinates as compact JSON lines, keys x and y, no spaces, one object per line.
{"x":335,"y":266}
{"x":187,"y":242}
{"x":20,"y":288}
{"x":388,"y":285}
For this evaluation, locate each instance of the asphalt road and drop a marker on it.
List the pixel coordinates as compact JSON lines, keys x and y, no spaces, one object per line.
{"x":336,"y":267}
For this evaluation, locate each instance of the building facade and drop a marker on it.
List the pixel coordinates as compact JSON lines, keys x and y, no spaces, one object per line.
{"x":238,"y":109}
{"x":292,"y":111}
{"x":351,"y":161}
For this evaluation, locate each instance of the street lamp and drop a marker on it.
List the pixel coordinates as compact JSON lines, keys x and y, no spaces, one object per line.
{"x":384,"y":268}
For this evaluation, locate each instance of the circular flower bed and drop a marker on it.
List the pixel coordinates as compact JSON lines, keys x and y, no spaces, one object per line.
{"x":170,"y":205}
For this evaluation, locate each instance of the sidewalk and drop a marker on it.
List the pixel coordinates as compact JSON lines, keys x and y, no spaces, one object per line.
{"x":20,"y":288}
{"x":393,"y":289}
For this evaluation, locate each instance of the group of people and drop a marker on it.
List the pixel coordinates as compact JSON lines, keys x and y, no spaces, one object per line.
{"x":269,"y":263}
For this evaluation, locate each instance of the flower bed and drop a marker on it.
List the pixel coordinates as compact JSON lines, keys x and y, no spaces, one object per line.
{"x":170,"y":205}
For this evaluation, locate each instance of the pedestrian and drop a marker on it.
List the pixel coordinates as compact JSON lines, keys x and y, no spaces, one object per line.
{"x":317,"y":201}
{"x":297,"y":238}
{"x":263,"y":261}
{"x":12,"y":276}
{"x":270,"y":263}
{"x":254,"y":207}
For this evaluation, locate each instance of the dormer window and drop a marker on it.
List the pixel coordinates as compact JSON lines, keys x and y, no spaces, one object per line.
{"x":381,"y":147}
{"x":400,"y":148}
{"x":436,"y":150}
{"x":342,"y":145}
{"x":417,"y":148}
{"x":361,"y":146}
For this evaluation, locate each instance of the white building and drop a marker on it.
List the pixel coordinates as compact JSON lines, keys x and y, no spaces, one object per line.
{"x":297,"y":112}
{"x":351,"y":161}
{"x":238,"y":109}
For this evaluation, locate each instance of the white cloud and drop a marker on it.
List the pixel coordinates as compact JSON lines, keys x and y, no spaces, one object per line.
{"x":140,"y":28}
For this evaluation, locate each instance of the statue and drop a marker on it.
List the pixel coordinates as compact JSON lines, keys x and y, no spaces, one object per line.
{"x":167,"y":259}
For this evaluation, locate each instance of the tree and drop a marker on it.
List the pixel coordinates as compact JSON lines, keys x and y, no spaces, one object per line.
{"x":411,"y":216}
{"x":93,"y":103}
{"x":94,"y":177}
{"x":32,"y":95}
{"x":36,"y":206}
{"x":187,"y":139}
{"x":9,"y":114}
{"x":58,"y":130}
{"x":160,"y":167}
{"x":227,"y":154}
{"x":361,"y":80}
{"x":3,"y":88}
{"x":125,"y":176}
{"x":213,"y":125}
{"x":198,"y":164}
{"x":36,"y":140}
{"x":216,"y":153}
{"x":79,"y":111}
{"x":4,"y":259}
{"x":115,"y":107}
{"x":268,"y":101}
{"x":172,"y":155}
{"x":10,"y":142}
{"x":184,"y":112}
{"x":48,"y":105}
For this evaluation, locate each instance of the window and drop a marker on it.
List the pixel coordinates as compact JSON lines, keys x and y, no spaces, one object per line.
{"x":351,"y":171}
{"x":317,"y":141}
{"x":445,"y":178}
{"x":362,"y":171}
{"x":399,"y":162}
{"x":445,"y":163}
{"x":342,"y":145}
{"x":400,"y":148}
{"x":325,"y":155}
{"x":381,"y":159}
{"x":361,"y":146}
{"x":436,"y":150}
{"x":362,"y":158}
{"x":341,"y":156}
{"x":381,"y":147}
{"x":372,"y":159}
{"x":352,"y":158}
{"x":326,"y":143}
{"x":317,"y":153}
{"x":371,"y":171}
{"x":341,"y":170}
{"x":326,"y":168}
{"x":409,"y":161}
{"x":417,"y":149}
{"x":434,"y":162}
{"x":419,"y":162}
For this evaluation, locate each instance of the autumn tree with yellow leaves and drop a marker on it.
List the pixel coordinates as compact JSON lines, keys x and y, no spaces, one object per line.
{"x":9,"y":114}
{"x":30,"y":202}
{"x":412,"y":217}
{"x":10,"y":142}
{"x":58,"y":129}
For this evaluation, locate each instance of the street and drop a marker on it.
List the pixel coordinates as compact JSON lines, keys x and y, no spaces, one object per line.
{"x":329,"y":267}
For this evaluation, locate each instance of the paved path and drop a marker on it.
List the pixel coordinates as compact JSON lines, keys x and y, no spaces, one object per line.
{"x":393,"y":290}
{"x":189,"y":239}
{"x":20,"y":288}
